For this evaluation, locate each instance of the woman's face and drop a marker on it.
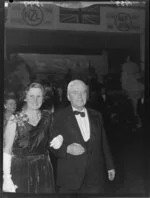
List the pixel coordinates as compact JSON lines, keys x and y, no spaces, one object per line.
{"x":34,"y":98}
{"x":10,"y":105}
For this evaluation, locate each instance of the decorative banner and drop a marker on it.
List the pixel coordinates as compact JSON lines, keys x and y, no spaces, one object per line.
{"x":89,"y":15}
{"x":123,"y":20}
{"x":80,"y":18}
{"x":29,"y":16}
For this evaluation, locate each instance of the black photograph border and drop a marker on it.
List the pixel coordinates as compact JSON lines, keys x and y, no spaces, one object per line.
{"x":147,"y":106}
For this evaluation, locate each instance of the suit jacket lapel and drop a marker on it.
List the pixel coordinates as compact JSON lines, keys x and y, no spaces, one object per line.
{"x":92,"y":128}
{"x":74,"y":124}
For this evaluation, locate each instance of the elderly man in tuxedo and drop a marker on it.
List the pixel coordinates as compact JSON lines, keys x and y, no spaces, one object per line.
{"x":84,"y":159}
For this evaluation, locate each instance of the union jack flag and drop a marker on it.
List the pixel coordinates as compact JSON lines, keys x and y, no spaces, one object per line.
{"x":88,"y":15}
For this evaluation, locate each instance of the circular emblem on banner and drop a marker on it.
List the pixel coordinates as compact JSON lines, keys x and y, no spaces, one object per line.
{"x":123,"y":21}
{"x":32,"y":15}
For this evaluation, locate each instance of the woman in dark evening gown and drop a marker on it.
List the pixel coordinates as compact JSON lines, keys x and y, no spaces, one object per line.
{"x":27,"y":166}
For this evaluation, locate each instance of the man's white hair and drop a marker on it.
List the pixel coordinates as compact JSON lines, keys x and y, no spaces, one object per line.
{"x":74,"y":83}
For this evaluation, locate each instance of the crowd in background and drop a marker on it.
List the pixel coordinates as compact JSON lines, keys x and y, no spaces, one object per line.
{"x":124,"y":108}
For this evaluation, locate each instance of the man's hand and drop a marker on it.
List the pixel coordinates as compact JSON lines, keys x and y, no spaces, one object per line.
{"x":56,"y":142}
{"x":111,"y":174}
{"x":75,"y":149}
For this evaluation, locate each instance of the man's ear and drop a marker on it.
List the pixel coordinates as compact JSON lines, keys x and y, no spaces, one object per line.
{"x":68,"y":97}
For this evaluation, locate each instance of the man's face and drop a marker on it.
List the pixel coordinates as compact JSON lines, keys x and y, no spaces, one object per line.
{"x":78,"y":96}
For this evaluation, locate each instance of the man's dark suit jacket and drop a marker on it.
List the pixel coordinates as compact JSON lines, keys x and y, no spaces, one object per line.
{"x":90,"y":168}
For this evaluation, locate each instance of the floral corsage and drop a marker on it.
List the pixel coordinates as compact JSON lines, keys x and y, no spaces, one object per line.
{"x":21,"y":119}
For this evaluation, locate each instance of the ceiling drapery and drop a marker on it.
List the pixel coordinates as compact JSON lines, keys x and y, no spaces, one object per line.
{"x":75,"y":4}
{"x":81,"y":4}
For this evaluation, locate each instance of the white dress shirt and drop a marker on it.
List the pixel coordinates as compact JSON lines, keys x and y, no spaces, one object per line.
{"x":83,"y":123}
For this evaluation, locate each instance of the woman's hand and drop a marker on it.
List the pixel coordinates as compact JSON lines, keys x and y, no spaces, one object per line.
{"x":8,"y":185}
{"x":56,"y":142}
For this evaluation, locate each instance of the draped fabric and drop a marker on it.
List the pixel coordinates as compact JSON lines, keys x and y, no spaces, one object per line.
{"x":75,"y":4}
{"x":32,"y":170}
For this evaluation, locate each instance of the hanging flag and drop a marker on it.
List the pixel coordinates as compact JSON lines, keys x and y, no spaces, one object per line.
{"x":87,"y":15}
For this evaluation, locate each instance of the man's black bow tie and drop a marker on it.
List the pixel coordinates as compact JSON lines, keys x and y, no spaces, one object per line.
{"x":82,"y":114}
